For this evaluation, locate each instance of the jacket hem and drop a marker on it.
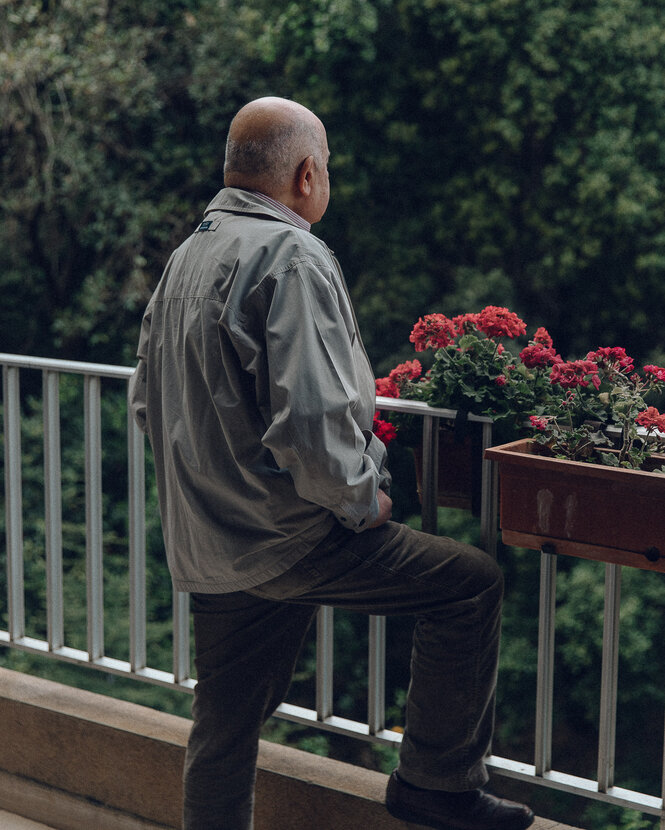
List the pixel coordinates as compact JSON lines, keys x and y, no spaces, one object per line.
{"x":297,"y":550}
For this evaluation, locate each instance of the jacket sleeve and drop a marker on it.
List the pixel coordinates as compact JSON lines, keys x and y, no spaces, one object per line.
{"x":322,"y":396}
{"x":137,"y":396}
{"x":137,"y":383}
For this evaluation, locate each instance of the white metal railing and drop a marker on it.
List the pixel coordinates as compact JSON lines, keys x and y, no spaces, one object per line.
{"x":322,"y":715}
{"x":54,"y":644}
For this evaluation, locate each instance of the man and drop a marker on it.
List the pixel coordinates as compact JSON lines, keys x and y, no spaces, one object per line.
{"x":258,"y":399}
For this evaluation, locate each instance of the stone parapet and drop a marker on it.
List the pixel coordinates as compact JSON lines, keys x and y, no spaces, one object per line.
{"x":75,"y":760}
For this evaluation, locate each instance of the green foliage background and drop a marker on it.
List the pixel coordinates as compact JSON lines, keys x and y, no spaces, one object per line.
{"x":483,"y":151}
{"x":503,"y":151}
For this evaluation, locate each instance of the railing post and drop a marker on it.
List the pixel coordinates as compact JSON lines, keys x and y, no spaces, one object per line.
{"x":609,"y":678}
{"x":324,"y":662}
{"x":181,"y":657}
{"x":13,"y":502}
{"x":94,"y":528}
{"x":376,"y":704}
{"x":662,"y":793}
{"x":430,"y":473}
{"x":53,"y":509}
{"x":489,"y":496}
{"x":137,"y":577}
{"x":545,"y":678}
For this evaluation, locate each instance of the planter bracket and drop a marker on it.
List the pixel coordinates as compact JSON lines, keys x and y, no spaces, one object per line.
{"x":653,"y":554}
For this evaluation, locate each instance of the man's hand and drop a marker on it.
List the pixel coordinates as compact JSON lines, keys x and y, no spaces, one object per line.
{"x":385,"y":508}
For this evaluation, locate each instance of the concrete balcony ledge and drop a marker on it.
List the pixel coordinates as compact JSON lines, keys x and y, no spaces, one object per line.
{"x":74,"y":760}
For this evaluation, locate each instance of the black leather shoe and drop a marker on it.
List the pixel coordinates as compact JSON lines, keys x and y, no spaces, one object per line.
{"x":472,"y":810}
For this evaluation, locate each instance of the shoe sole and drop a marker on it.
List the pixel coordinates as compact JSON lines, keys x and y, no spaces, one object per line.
{"x":407,"y":815}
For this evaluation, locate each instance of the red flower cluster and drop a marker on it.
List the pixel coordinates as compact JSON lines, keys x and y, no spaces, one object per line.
{"x":386,"y":388}
{"x":655,"y":371}
{"x":410,"y":370}
{"x":434,"y":331}
{"x":614,"y":357}
{"x":538,"y":355}
{"x":539,"y":423}
{"x":465,"y":323}
{"x":389,"y":387}
{"x":575,"y":373}
{"x":383,"y":430}
{"x":496,"y":321}
{"x":542,"y":336}
{"x":473,"y":371}
{"x":651,"y":418}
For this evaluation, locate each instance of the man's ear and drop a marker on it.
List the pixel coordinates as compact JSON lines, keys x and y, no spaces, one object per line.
{"x":304,"y":176}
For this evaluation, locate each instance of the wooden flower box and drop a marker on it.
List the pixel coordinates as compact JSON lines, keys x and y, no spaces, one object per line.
{"x":580,"y":509}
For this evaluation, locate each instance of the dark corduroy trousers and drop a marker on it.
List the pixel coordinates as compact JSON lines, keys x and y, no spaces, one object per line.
{"x":247,"y":644}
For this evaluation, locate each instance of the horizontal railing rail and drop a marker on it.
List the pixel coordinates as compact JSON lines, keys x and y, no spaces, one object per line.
{"x":322,"y":714}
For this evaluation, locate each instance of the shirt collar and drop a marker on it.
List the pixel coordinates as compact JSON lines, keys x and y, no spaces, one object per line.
{"x":290,"y":214}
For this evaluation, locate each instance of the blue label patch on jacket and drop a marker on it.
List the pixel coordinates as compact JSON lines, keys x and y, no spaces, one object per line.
{"x":204,"y":226}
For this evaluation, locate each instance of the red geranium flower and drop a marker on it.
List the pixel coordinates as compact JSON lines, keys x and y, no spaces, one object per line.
{"x":383,"y":430}
{"x":386,"y":388}
{"x":496,"y":321}
{"x":434,"y":331}
{"x":542,"y":336}
{"x":411,"y":370}
{"x":464,"y":323}
{"x":538,"y":355}
{"x":614,"y":356}
{"x":655,"y":371}
{"x":651,"y":418}
{"x":575,"y":373}
{"x":539,"y":423}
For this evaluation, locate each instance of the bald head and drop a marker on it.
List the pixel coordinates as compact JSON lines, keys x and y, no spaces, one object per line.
{"x":268,"y":141}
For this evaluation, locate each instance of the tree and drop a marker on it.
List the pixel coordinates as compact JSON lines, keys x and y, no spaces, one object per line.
{"x":500,"y":152}
{"x":514,"y":158}
{"x":108,"y":153}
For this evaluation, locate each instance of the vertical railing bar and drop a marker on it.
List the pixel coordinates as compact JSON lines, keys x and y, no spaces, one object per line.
{"x":137,"y":550}
{"x":181,"y":658}
{"x":489,"y":501}
{"x":489,"y":496}
{"x":430,"y":473}
{"x":324,"y":662}
{"x":13,"y":502}
{"x":545,"y":671}
{"x":94,"y":529}
{"x":376,"y":702}
{"x":609,"y":678}
{"x":662,"y":790}
{"x":53,"y":509}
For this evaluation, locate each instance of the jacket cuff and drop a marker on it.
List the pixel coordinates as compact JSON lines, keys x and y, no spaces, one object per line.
{"x":346,"y":519}
{"x":378,"y":453}
{"x":375,"y":450}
